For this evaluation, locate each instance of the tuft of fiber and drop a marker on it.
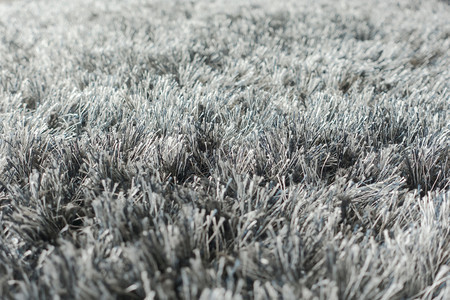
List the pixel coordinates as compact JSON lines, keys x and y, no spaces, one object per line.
{"x":224,"y":150}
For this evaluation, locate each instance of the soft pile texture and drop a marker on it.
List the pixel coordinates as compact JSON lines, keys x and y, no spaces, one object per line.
{"x":224,"y":150}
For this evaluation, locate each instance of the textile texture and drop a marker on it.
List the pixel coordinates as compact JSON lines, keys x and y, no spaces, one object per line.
{"x":224,"y":149}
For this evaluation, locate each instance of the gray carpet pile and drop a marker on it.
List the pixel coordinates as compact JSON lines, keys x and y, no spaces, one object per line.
{"x":224,"y":149}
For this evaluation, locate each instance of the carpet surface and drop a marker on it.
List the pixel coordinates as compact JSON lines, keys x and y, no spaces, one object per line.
{"x":224,"y":149}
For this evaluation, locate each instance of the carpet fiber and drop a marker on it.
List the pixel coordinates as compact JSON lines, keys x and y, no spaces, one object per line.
{"x":224,"y":150}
